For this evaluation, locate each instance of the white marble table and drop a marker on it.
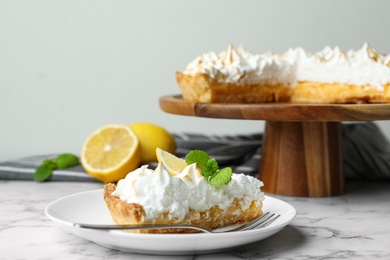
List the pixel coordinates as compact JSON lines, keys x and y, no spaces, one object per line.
{"x":352,"y":226}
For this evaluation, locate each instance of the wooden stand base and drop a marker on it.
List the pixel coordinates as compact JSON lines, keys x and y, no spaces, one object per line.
{"x":302,"y":159}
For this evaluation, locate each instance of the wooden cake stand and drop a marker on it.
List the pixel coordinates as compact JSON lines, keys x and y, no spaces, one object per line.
{"x":302,"y":148}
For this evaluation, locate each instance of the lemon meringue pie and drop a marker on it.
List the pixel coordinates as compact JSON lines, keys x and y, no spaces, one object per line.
{"x":326,"y":76}
{"x":156,"y":196}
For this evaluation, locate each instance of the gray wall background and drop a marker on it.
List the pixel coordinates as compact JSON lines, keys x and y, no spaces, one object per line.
{"x":69,"y":67}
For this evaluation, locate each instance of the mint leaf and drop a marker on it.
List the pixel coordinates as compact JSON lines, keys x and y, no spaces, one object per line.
{"x":43,"y":172}
{"x":199,"y":157}
{"x":209,"y":168}
{"x":222,"y":177}
{"x":212,"y":166}
{"x":66,"y":160}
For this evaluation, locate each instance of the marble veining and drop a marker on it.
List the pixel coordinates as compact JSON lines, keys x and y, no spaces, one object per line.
{"x":352,"y":226}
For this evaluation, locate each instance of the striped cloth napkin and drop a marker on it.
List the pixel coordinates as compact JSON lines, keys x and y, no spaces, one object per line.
{"x":366,"y":155}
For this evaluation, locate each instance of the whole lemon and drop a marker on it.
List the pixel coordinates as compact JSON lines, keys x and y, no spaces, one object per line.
{"x":150,"y":137}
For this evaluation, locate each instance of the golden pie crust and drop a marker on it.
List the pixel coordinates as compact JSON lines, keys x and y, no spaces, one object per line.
{"x":201,"y":88}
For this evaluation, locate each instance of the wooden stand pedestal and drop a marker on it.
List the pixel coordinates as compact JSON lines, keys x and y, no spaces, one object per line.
{"x":302,"y":159}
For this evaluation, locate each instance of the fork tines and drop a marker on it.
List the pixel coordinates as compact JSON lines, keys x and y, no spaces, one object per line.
{"x":261,"y":222}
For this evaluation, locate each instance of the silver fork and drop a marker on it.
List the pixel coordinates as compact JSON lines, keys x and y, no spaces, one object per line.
{"x":260,"y":222}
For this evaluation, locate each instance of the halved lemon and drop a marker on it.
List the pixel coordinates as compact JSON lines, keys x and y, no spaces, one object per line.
{"x":173,"y":164}
{"x":111,"y":152}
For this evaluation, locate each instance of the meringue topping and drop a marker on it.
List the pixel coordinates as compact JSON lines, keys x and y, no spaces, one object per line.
{"x":241,"y":67}
{"x":159,"y":192}
{"x":362,"y":67}
{"x":331,"y":65}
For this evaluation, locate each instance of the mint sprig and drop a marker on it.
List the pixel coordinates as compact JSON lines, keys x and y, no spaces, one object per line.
{"x":209,"y":168}
{"x":45,"y":170}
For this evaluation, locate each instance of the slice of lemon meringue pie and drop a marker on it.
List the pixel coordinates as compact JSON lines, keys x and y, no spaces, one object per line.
{"x":210,"y":200}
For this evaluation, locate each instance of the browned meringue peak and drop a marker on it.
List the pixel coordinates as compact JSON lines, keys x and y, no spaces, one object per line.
{"x":386,"y":60}
{"x":371,"y":52}
{"x":375,"y":55}
{"x":327,"y":54}
{"x":231,"y":55}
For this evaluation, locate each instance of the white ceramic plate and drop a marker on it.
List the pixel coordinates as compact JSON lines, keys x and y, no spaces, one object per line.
{"x":89,"y":207}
